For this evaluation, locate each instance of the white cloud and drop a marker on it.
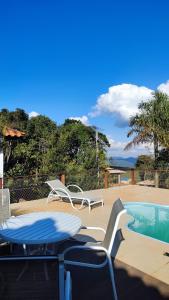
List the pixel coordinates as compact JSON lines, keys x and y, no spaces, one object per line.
{"x":164,"y":87}
{"x":116,"y":145}
{"x":83,"y":119}
{"x":117,"y":149}
{"x":122,"y":101}
{"x":33,"y":114}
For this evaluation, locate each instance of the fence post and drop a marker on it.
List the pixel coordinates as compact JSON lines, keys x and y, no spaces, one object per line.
{"x":119,"y":178}
{"x":156,"y":179}
{"x":133,"y":179}
{"x":62,"y":178}
{"x":106,"y":179}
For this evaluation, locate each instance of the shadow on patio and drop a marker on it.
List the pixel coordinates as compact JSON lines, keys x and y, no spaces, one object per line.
{"x":87,"y":284}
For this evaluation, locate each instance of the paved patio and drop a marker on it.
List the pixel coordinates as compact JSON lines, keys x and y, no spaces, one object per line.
{"x":86,"y":284}
{"x":140,"y":258}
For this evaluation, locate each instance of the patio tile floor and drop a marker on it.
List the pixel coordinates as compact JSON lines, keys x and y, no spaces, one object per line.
{"x":142,"y":263}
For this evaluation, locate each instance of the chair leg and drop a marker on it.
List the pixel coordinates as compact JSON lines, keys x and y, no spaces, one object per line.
{"x":61,"y":278}
{"x":89,"y":208}
{"x":112,"y":277}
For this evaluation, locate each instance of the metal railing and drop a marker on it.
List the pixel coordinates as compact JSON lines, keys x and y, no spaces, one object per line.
{"x":153,"y":178}
{"x":34,"y":187}
{"x":27,"y":187}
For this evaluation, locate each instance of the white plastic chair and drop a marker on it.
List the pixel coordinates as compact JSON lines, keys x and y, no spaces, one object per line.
{"x":4,"y":205}
{"x":106,"y":246}
{"x":65,"y":281}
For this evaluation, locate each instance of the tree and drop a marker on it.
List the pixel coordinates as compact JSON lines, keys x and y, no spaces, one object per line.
{"x":151,"y":124}
{"x":16,"y":120}
{"x":42,"y":137}
{"x":78,"y":143}
{"x":49,"y":149}
{"x":144,"y":162}
{"x":163,"y":159}
{"x":4,"y":114}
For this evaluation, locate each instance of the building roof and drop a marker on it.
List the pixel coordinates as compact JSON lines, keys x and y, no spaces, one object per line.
{"x":13,"y":132}
{"x":115,"y":171}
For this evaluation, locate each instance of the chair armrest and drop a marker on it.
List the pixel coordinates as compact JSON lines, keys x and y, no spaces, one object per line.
{"x":84,"y":264}
{"x":93,"y":228}
{"x":74,"y":185}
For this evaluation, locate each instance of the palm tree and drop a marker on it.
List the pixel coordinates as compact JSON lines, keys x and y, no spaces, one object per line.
{"x":151,"y":124}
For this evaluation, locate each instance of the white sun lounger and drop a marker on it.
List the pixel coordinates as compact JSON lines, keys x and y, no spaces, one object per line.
{"x":59,"y":190}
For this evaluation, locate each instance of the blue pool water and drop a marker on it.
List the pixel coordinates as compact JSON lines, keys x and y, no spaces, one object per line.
{"x":149,"y":219}
{"x":125,"y":178}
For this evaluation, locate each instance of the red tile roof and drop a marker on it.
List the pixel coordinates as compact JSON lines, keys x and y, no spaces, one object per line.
{"x":13,"y":132}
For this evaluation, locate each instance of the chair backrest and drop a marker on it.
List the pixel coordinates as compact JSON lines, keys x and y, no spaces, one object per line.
{"x":4,"y":205}
{"x":57,"y":185}
{"x":117,"y":210}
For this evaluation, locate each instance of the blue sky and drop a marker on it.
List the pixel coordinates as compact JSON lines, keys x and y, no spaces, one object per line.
{"x":58,"y":57}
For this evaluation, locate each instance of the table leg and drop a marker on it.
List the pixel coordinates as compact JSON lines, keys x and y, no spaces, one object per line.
{"x":27,"y":251}
{"x":23,"y":271}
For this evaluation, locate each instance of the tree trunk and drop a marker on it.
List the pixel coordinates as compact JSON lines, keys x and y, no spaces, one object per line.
{"x":8,"y":151}
{"x":156,"y":152}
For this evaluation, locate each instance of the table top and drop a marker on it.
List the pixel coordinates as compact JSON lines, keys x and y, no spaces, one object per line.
{"x":40,"y":228}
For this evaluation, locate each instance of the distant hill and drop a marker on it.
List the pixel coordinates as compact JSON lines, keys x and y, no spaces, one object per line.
{"x":121,"y":162}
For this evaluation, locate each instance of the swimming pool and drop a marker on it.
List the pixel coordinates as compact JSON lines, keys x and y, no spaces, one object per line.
{"x":149,"y":219}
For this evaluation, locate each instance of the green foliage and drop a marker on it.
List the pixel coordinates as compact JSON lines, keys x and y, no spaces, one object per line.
{"x":49,"y":149}
{"x":151,"y":124}
{"x":78,"y":144}
{"x":145,"y":162}
{"x":15,"y":119}
{"x":163,"y":159}
{"x":145,"y":165}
